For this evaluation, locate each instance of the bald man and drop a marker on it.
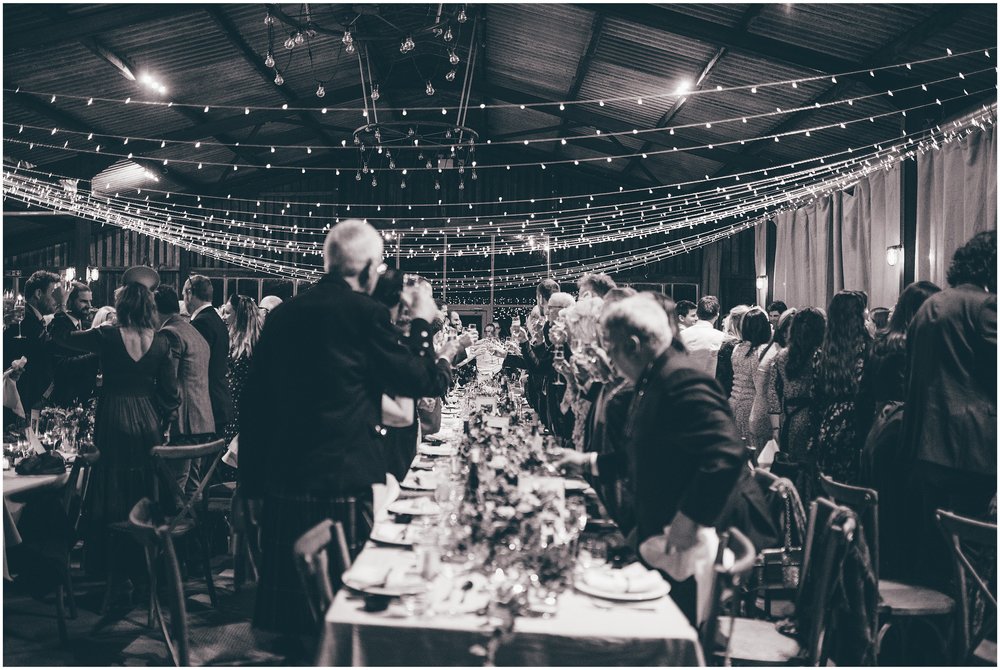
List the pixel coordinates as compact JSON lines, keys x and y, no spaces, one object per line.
{"x":311,"y":441}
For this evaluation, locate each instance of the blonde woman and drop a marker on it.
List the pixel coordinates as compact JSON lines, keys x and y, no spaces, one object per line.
{"x":243,"y":319}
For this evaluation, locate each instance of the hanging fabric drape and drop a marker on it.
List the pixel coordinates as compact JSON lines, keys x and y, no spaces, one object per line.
{"x":956,"y":198}
{"x":838,"y":243}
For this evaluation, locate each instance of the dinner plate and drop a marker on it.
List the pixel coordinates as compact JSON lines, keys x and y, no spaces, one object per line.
{"x":661,"y":590}
{"x":395,"y":534}
{"x":420,"y":506}
{"x":436,"y":449}
{"x":400,"y":589}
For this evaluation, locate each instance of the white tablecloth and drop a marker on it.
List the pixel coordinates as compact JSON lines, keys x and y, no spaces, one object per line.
{"x":584,"y":631}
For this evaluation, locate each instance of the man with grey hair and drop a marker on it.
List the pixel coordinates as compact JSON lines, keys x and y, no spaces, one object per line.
{"x":311,"y":438}
{"x":684,"y":456}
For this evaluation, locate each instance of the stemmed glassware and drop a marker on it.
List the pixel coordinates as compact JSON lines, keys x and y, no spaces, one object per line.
{"x":19,"y":316}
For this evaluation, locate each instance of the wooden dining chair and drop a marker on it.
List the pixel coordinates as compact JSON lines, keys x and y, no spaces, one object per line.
{"x":974,"y":587}
{"x":726,"y":580}
{"x":312,"y":559}
{"x":74,"y":501}
{"x":187,"y":521}
{"x":900,"y":603}
{"x":759,"y":642}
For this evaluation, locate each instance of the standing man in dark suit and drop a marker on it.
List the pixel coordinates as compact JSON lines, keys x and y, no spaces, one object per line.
{"x":40,"y":301}
{"x":74,"y":373}
{"x":311,"y":439}
{"x":682,"y":455}
{"x":950,"y":417}
{"x":198,"y":298}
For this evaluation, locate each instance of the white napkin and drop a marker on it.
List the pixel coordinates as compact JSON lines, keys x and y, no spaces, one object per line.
{"x":696,"y":561}
{"x":765,"y":459}
{"x":384,"y":495}
{"x":634,"y":578}
{"x":231,"y":457}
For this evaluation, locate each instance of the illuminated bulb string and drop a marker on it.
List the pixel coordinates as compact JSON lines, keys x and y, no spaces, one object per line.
{"x":576,"y":161}
{"x":637,"y":132}
{"x":576,"y":268}
{"x":566,"y":224}
{"x":633,"y":97}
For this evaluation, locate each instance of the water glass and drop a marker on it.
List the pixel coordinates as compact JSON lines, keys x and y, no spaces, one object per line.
{"x":593,"y":551}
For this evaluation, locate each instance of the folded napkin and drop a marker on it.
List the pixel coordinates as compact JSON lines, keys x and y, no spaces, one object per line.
{"x":384,"y":495}
{"x":634,"y":578}
{"x":697,"y":562}
{"x":391,"y":578}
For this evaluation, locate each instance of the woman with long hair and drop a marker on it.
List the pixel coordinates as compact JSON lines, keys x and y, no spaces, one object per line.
{"x":839,"y":365}
{"x":135,"y":405}
{"x":793,"y":383}
{"x":756,"y":331}
{"x":243,"y":319}
{"x":762,"y":425}
{"x":724,"y":365}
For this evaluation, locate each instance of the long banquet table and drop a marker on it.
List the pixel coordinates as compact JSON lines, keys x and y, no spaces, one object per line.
{"x":583,"y":630}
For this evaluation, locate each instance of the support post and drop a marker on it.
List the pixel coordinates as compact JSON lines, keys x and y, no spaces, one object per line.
{"x":81,"y":247}
{"x":444,"y":274}
{"x":493,"y":253}
{"x":908,"y":213}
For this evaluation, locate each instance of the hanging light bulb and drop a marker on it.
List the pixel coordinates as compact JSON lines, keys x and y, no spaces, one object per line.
{"x":474,"y":176}
{"x":402,"y":183}
{"x":357,"y":176}
{"x":374,"y":182}
{"x":409,"y":132}
{"x":392,"y":165}
{"x":269,"y":60}
{"x":461,"y":185}
{"x":320,"y":91}
{"x":290,"y":42}
{"x":453,"y":58}
{"x":430,"y":88}
{"x":437,"y":185}
{"x":348,"y":38}
{"x":375,"y":94}
{"x":462,"y":16}
{"x":278,"y":79}
{"x":420,"y":156}
{"x":365,"y":169}
{"x":447,"y":134}
{"x":299,"y":38}
{"x":349,"y":48}
{"x":448,"y":35}
{"x":428,"y":165}
{"x":450,"y":76}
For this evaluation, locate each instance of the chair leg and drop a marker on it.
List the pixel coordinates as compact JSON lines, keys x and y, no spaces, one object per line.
{"x":151,"y":571}
{"x":61,"y":614}
{"x":207,"y":563}
{"x":70,"y":597}
{"x":238,"y":559}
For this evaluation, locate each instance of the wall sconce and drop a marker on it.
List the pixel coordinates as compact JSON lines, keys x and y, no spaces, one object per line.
{"x":92,"y":274}
{"x":762,"y":282}
{"x":69,"y":274}
{"x":893,"y":254}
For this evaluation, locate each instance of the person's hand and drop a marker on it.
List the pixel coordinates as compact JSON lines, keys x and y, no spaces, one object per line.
{"x":519,"y":335}
{"x":419,"y":300}
{"x":683,"y":534}
{"x":558,"y":334}
{"x":468,"y":338}
{"x":512,"y":348}
{"x":573,"y":462}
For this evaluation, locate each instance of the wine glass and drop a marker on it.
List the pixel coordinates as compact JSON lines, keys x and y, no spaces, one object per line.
{"x":19,"y":317}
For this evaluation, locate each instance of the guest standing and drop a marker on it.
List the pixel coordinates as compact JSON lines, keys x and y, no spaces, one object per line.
{"x":40,"y":301}
{"x":793,"y":397}
{"x":310,"y":421}
{"x":724,"y":360}
{"x":74,"y":374}
{"x":244,"y":331}
{"x":840,"y":363}
{"x":774,"y":312}
{"x":687,"y":314}
{"x":763,"y":424}
{"x":137,"y":402}
{"x":950,"y":423}
{"x":700,"y":338}
{"x":198,"y":294}
{"x":755,"y":331}
{"x":193,"y":422}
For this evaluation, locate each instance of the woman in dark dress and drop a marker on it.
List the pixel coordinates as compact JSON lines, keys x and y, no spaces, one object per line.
{"x":135,"y":404}
{"x":840,"y":363}
{"x":793,"y":377}
{"x":243,"y":318}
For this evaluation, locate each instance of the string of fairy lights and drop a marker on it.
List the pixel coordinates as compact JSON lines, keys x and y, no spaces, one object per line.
{"x":35,"y":191}
{"x":272,"y":147}
{"x":475,"y":166}
{"x":552,"y":232}
{"x":683,"y":89}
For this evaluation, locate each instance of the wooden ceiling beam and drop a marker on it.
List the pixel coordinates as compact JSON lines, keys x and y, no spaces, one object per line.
{"x":583,"y":66}
{"x":607,"y":123}
{"x":70,"y":121}
{"x":709,"y":32}
{"x":232,"y":33}
{"x":76,"y":28}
